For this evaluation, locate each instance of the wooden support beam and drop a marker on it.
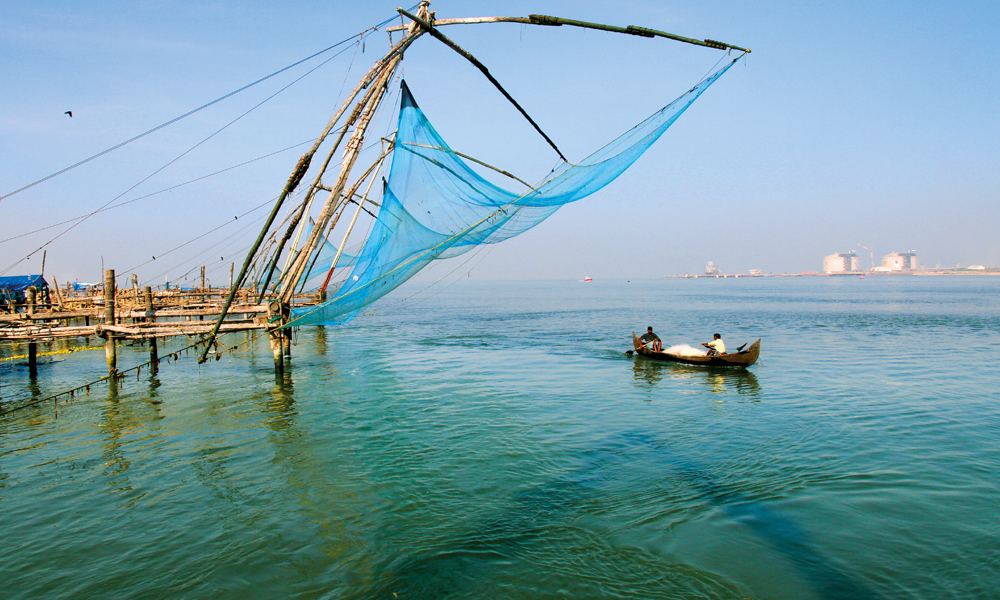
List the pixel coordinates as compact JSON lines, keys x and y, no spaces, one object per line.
{"x":557,"y":21}
{"x":380,"y":76}
{"x":447,"y":42}
{"x":361,"y":205}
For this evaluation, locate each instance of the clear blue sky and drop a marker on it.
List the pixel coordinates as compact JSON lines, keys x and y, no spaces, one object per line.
{"x":850,"y":122}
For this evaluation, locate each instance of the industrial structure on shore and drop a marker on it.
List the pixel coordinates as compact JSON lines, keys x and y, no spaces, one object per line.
{"x":848,"y":262}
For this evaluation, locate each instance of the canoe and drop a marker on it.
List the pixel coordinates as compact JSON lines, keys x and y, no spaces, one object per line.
{"x":738,"y":359}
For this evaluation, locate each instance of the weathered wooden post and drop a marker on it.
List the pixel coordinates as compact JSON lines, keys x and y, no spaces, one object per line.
{"x":275,"y":336}
{"x":204,"y":298}
{"x":31,"y":296}
{"x":32,"y":358}
{"x":287,"y":340}
{"x":59,"y":296}
{"x":135,"y":291}
{"x":110,"y":351}
{"x":154,"y":359}
{"x":232,"y":267}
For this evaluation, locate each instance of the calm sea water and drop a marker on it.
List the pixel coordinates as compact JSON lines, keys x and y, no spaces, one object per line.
{"x":493,"y":441}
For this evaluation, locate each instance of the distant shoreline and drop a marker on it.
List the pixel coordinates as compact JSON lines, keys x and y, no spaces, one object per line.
{"x":914,"y":273}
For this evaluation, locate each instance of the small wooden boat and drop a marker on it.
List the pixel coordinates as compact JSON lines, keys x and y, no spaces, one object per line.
{"x":743,"y":359}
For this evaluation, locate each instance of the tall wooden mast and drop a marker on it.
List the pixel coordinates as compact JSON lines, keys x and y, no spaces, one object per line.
{"x":375,"y":83}
{"x":361,"y":117}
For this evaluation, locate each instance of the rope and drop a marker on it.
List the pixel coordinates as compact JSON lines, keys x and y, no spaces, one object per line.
{"x":164,"y":190}
{"x":119,"y":376}
{"x":202,"y":107}
{"x":180,"y":156}
{"x":258,"y":207}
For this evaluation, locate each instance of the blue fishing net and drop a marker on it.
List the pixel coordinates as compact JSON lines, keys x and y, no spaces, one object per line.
{"x":435,"y":206}
{"x":318,"y":264}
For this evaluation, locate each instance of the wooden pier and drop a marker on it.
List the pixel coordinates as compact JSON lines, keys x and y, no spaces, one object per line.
{"x":114,"y":314}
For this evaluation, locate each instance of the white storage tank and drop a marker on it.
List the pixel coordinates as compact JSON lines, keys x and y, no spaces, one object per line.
{"x":841,"y":263}
{"x":834,"y":263}
{"x":900,"y":261}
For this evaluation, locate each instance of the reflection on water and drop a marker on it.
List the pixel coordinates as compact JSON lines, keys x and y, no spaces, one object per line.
{"x":505,"y":470}
{"x":280,"y":405}
{"x":320,"y":340}
{"x":718,"y":380}
{"x":113,"y":426}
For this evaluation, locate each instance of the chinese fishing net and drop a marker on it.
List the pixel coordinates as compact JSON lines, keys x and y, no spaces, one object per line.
{"x":435,"y":206}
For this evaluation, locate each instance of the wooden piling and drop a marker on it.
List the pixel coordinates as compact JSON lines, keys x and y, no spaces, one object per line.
{"x":135,"y":289}
{"x":276,"y":336}
{"x":204,"y":298}
{"x":110,"y":351}
{"x":31,"y":294}
{"x":59,"y":296}
{"x":32,"y":358}
{"x":151,"y":318}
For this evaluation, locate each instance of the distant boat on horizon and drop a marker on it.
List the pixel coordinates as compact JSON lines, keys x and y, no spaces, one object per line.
{"x":587,"y":279}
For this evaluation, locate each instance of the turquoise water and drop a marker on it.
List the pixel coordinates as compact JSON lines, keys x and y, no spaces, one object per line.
{"x":493,"y":441}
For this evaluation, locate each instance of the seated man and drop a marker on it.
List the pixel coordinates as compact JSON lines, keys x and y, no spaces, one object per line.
{"x":716,"y":346}
{"x":651,"y":340}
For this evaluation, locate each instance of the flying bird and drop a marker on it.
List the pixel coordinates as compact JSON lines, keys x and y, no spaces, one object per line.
{"x":69,"y":112}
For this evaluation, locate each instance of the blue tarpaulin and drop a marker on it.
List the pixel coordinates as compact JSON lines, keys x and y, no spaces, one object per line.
{"x":12,"y":288}
{"x":19,"y":283}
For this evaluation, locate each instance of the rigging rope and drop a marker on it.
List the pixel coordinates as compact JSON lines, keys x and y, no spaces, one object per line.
{"x":164,"y":190}
{"x":202,"y":107}
{"x":183,"y":154}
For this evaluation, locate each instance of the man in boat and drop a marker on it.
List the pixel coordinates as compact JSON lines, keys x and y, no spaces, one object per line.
{"x":716,"y":346}
{"x":651,"y":340}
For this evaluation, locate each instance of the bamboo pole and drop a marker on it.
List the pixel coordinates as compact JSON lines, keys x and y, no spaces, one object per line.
{"x":342,"y":205}
{"x":293,"y":182}
{"x":558,"y":21}
{"x":300,"y":170}
{"x":448,"y":42}
{"x":317,"y":184}
{"x":363,"y":113}
{"x":353,"y":149}
{"x":350,"y":227}
{"x":59,"y":297}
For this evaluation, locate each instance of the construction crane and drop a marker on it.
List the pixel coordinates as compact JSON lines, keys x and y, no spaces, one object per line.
{"x":872,"y":252}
